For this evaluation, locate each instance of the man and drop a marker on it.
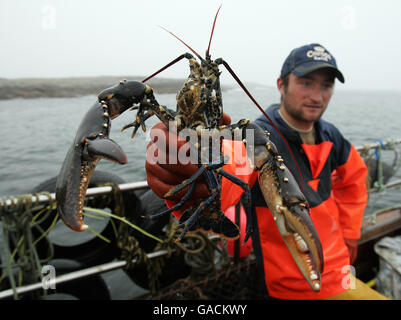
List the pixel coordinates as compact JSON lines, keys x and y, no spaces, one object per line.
{"x":333,"y":181}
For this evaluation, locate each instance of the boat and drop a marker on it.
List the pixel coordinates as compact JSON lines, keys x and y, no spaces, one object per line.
{"x":38,"y":264}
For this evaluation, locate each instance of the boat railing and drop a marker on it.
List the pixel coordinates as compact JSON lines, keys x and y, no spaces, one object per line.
{"x":379,"y":144}
{"x":378,"y":147}
{"x":46,"y":198}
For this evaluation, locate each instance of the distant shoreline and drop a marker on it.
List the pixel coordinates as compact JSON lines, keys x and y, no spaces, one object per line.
{"x":72,"y":87}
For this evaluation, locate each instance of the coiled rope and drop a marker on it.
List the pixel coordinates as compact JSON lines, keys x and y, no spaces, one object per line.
{"x":130,"y":246}
{"x":18,"y":223}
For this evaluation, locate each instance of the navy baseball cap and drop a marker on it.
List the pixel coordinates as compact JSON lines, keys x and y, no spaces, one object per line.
{"x":309,"y":58}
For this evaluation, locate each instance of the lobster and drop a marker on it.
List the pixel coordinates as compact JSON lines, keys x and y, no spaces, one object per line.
{"x":199,"y":107}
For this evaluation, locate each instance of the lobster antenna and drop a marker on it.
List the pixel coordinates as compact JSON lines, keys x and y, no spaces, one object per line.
{"x":211,"y":35}
{"x":268,"y":118}
{"x":193,"y":51}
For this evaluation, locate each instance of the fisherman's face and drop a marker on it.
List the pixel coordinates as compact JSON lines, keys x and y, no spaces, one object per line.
{"x":305,"y":98}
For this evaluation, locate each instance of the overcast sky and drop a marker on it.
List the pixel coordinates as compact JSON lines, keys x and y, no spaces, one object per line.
{"x":59,"y":38}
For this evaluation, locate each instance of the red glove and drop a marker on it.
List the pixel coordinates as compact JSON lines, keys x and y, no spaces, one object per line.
{"x":352,"y":245}
{"x":162,"y":177}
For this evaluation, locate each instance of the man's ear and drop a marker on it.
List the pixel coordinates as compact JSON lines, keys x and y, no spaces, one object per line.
{"x":280,"y":86}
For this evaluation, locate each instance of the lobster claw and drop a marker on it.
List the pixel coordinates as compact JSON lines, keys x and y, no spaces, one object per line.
{"x":289,"y":208}
{"x":291,"y":213}
{"x":302,"y":241}
{"x":90,"y":145}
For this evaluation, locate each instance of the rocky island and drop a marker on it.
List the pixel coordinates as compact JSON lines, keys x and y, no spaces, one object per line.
{"x":73,"y":87}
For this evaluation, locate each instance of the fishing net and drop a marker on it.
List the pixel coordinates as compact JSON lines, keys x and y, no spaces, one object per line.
{"x":236,"y":281}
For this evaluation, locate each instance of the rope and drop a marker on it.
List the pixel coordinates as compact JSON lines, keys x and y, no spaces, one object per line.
{"x":131,"y":249}
{"x":23,"y":264}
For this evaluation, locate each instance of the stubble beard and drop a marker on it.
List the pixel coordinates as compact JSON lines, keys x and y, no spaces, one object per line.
{"x":298,"y":113}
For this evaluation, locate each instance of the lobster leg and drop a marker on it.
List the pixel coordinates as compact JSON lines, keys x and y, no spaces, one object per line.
{"x":140,"y":122}
{"x":189,"y":220}
{"x":178,"y":205}
{"x":192,"y":219}
{"x":186,"y":182}
{"x":217,"y":221}
{"x":246,"y":200}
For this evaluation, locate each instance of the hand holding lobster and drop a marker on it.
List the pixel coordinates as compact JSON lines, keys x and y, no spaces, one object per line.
{"x":161,"y":177}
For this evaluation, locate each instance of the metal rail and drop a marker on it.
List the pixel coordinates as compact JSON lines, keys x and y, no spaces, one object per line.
{"x":377,"y":144}
{"x":90,"y":192}
{"x":389,"y":185}
{"x":76,"y":275}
